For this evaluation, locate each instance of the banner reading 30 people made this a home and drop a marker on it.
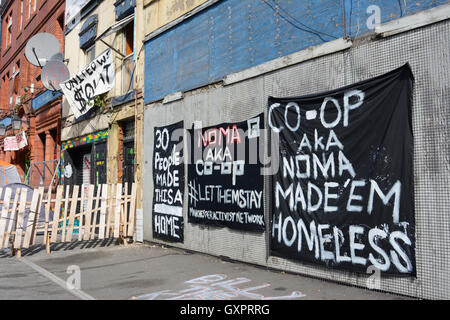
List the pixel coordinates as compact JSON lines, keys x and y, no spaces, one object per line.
{"x":225,"y":184}
{"x":343,"y":192}
{"x":168,"y":183}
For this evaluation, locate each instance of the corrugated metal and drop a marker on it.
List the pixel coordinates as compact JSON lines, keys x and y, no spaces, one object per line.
{"x":427,"y":51}
{"x":233,"y":35}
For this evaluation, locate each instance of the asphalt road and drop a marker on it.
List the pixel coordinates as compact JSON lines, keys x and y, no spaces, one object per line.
{"x":103,"y":271}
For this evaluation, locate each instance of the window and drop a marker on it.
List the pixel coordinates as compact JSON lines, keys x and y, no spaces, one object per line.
{"x":7,"y":88}
{"x":60,"y":24}
{"x":31,"y":7}
{"x":21,"y":14}
{"x":129,"y":39}
{"x":88,"y":32}
{"x":128,"y":62}
{"x":90,"y":54}
{"x":16,"y":77}
{"x":4,"y":89}
{"x":9,"y":29}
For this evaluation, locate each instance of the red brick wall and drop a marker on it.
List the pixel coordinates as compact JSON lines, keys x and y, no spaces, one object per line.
{"x":46,"y":18}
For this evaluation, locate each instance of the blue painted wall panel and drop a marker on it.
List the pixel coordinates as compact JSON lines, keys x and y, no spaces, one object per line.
{"x":356,"y":11}
{"x":192,"y":55}
{"x":238,"y":48}
{"x":234,"y":35}
{"x":44,"y":98}
{"x":160,"y":58}
{"x":219,"y":42}
{"x":263,"y":28}
{"x":6,"y":121}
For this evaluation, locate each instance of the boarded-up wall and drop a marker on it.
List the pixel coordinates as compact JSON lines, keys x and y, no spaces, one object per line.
{"x":427,"y":51}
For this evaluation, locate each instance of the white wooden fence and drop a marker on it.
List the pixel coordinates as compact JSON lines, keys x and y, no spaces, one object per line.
{"x":73,"y":213}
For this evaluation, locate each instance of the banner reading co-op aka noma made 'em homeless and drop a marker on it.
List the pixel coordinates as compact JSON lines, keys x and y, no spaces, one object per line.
{"x":168,"y":183}
{"x":343,"y":194}
{"x":225,"y":184}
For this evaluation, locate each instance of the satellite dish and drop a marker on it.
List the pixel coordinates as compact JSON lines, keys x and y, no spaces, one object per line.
{"x":53,"y":74}
{"x":57,"y":57}
{"x":40,"y":48}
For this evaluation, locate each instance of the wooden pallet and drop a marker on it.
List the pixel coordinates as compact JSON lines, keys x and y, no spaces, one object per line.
{"x":108,"y":212}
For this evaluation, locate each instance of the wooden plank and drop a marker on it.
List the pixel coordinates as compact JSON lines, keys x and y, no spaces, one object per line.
{"x":123,"y":211}
{"x":103,"y":209}
{"x":38,"y":209}
{"x":122,"y":230}
{"x":47,"y":213}
{"x":96,"y":212}
{"x":81,"y":213}
{"x":32,"y":219}
{"x":110,"y":209}
{"x":38,"y":213}
{"x":56,"y":211}
{"x":123,"y":219}
{"x":73,"y":208}
{"x":132,"y":212}
{"x":88,"y":215}
{"x":4,"y":216}
{"x":117,"y":210}
{"x":20,"y":216}
{"x":12,"y":218}
{"x":65,"y":213}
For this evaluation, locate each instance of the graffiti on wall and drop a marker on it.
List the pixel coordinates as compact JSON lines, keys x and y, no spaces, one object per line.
{"x":79,"y":141}
{"x":76,"y":142}
{"x":168,"y":182}
{"x":343,"y":192}
{"x":224,"y":180}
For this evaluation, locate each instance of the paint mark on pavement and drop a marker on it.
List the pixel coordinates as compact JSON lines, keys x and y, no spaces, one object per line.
{"x":76,"y":292}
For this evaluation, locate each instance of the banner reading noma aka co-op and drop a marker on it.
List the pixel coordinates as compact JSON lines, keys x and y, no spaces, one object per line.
{"x":343,"y":192}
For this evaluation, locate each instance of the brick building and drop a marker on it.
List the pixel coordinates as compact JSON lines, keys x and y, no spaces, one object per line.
{"x":22,"y":93}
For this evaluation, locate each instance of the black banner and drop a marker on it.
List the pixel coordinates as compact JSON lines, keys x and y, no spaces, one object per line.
{"x":224,"y":179}
{"x":168,"y":183}
{"x":343,"y":192}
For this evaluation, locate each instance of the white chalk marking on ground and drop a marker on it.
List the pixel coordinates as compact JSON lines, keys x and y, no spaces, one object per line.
{"x":76,"y":292}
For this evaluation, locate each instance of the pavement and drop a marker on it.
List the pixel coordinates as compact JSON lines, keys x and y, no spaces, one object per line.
{"x":100,"y":270}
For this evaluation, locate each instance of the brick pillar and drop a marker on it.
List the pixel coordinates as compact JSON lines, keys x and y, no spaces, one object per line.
{"x":32,"y":138}
{"x":37,"y":155}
